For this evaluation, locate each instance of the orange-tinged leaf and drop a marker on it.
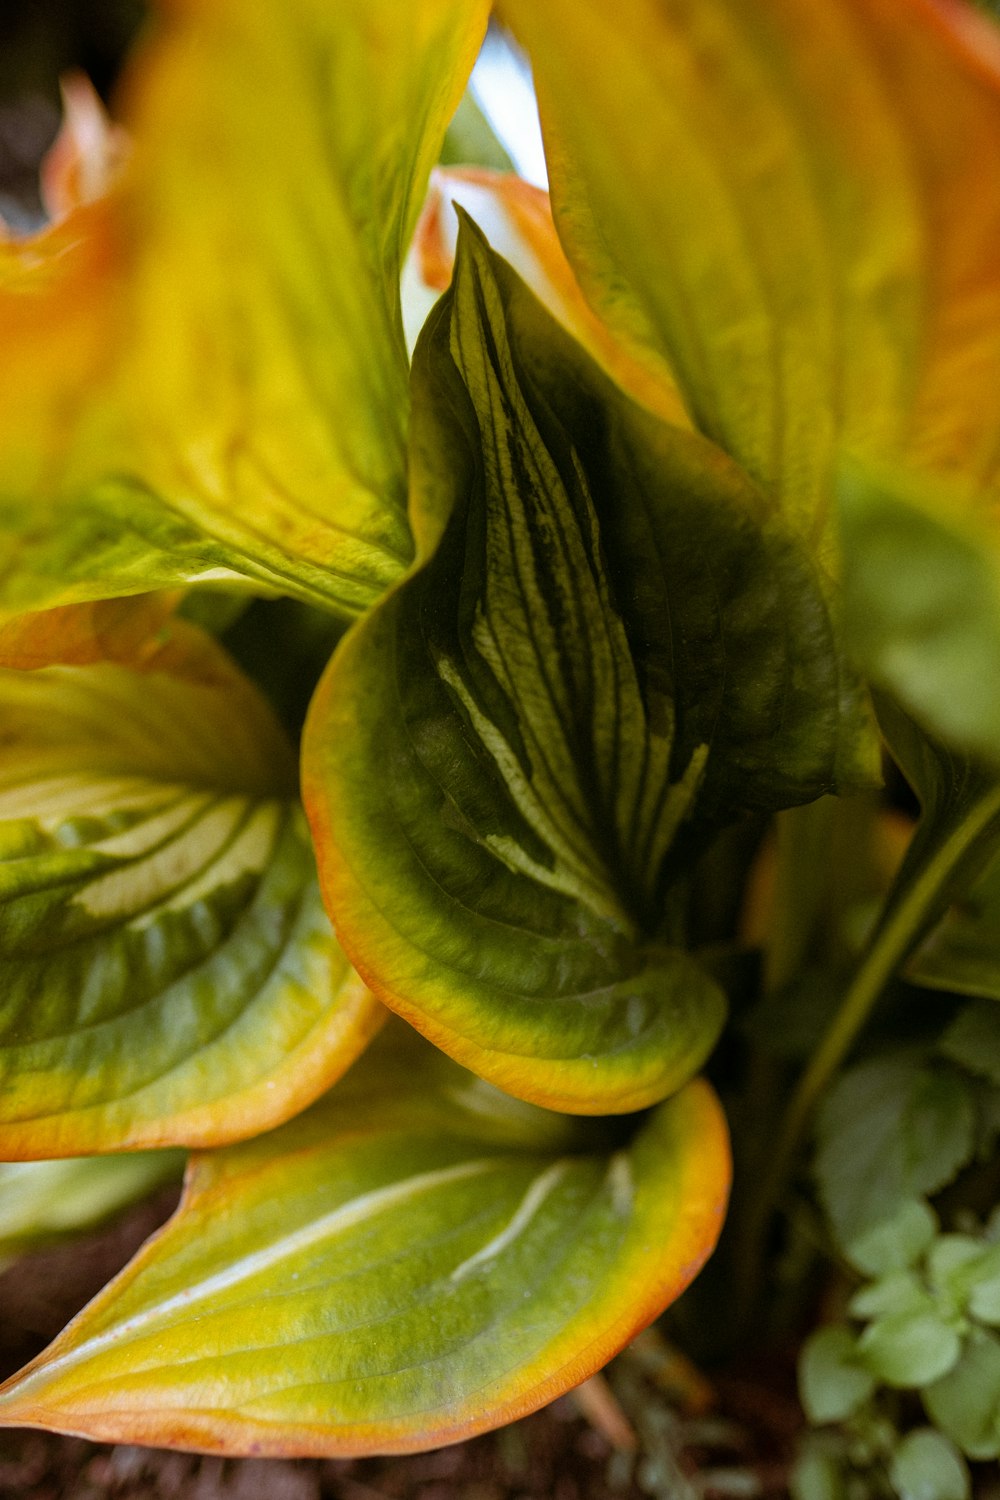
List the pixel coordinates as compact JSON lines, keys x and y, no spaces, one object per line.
{"x":232,"y":396}
{"x":169,"y":974}
{"x":80,"y":165}
{"x":799,"y":205}
{"x":416,"y":1259}
{"x":516,"y":218}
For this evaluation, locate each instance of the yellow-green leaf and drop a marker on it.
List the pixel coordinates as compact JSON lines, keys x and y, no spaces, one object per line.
{"x":215,"y":346}
{"x":169,"y":975}
{"x":416,"y":1259}
{"x":798,"y":203}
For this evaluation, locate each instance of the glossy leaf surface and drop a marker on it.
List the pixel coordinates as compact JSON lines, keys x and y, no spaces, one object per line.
{"x":602,"y":656}
{"x":798,"y":205}
{"x":169,"y":975}
{"x":216,"y":342}
{"x":416,"y":1259}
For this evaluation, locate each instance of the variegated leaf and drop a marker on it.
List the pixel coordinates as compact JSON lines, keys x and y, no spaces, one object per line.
{"x":416,"y":1259}
{"x":168,"y":973}
{"x":607,"y":649}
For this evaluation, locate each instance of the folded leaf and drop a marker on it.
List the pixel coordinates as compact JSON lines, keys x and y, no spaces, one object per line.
{"x":218,"y":340}
{"x":169,"y":974}
{"x":516,"y":218}
{"x":798,"y":205}
{"x":416,"y":1259}
{"x":602,"y":655}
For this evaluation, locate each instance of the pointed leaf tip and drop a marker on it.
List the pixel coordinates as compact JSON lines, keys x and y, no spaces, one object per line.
{"x":605,"y":650}
{"x":416,"y":1259}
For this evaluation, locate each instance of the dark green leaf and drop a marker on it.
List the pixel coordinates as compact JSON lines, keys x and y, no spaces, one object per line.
{"x":170,"y":976}
{"x":960,"y":818}
{"x":607,"y":650}
{"x":973,"y":1038}
{"x":962,"y":954}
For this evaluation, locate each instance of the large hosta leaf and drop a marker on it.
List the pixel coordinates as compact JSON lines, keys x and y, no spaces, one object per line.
{"x":799,"y":204}
{"x":168,"y":972}
{"x":416,"y":1259}
{"x":603,"y":653}
{"x":213,"y":350}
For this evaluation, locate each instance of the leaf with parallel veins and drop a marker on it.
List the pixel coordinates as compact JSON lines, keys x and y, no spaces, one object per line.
{"x":169,"y":975}
{"x":416,"y":1259}
{"x":204,"y":369}
{"x":798,"y":205}
{"x":606,"y":649}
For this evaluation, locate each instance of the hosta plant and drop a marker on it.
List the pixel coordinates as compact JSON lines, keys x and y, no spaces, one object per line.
{"x":460,"y":660}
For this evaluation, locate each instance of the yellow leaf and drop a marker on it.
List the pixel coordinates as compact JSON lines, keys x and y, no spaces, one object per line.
{"x":799,"y":205}
{"x":212,"y":352}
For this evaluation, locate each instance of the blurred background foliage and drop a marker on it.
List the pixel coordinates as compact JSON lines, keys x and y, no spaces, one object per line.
{"x":40,"y":40}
